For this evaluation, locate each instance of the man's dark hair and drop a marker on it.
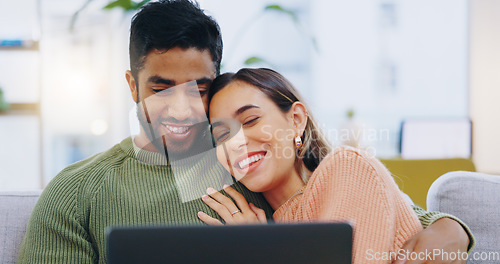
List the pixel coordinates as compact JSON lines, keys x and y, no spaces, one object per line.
{"x":167,"y":24}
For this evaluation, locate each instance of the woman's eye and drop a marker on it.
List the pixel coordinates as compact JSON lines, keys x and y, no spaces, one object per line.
{"x":251,"y":121}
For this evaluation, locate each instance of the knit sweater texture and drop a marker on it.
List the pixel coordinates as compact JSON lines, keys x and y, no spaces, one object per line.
{"x":122,"y":186}
{"x":127,"y":186}
{"x":351,"y":186}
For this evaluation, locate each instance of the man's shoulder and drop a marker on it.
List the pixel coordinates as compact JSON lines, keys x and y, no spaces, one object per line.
{"x":89,"y":171}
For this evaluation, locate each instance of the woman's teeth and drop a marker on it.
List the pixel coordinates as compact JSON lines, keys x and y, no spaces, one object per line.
{"x":249,"y":160}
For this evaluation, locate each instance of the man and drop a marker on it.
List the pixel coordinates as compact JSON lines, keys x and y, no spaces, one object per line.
{"x":159,"y":175}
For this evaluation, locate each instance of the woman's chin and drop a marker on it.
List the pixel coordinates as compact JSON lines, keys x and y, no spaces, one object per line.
{"x":253,"y":186}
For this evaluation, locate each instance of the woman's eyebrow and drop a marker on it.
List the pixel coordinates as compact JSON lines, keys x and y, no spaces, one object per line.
{"x":243,"y":109}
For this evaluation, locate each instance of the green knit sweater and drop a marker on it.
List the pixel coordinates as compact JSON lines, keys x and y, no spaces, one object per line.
{"x":125,"y":186}
{"x":121,"y":186}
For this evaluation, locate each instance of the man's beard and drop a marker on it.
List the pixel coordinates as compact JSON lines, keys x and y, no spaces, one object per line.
{"x":201,"y":143}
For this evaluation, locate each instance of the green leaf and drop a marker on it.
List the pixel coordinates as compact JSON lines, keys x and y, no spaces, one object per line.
{"x":253,"y":60}
{"x":257,"y":60}
{"x":124,"y":4}
{"x":279,"y":8}
{"x":112,"y":5}
{"x":274,"y":7}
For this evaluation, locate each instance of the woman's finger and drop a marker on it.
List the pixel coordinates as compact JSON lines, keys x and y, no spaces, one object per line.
{"x":238,"y":198}
{"x":208,"y":219}
{"x":261,"y":214}
{"x":221,"y":209}
{"x":222,"y":199}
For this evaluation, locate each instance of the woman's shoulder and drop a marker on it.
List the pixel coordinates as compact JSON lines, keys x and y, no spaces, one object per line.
{"x":345,"y":155}
{"x":348,"y":164}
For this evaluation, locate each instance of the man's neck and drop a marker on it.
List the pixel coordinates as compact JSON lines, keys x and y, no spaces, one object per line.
{"x":198,"y":147}
{"x":143,"y":142}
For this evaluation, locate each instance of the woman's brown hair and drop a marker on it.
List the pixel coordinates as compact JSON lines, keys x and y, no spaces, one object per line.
{"x":315,"y":147}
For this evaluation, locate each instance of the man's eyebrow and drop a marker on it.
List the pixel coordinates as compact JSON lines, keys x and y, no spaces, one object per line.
{"x":204,"y":80}
{"x":159,"y":80}
{"x":243,"y":109}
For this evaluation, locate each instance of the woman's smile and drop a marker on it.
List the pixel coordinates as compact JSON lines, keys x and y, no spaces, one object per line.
{"x":249,"y":162}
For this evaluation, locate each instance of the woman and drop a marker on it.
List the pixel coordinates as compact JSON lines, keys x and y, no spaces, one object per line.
{"x":267,"y":140}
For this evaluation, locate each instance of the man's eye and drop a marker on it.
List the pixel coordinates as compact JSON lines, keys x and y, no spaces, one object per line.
{"x":221,"y":138}
{"x":200,"y":92}
{"x":161,"y":91}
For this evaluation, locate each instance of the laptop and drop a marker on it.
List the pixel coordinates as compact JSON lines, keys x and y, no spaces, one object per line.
{"x":274,"y":243}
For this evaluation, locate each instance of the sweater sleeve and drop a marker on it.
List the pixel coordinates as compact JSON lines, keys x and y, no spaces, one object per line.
{"x":350,"y":186}
{"x":428,"y":218}
{"x":55,"y":232}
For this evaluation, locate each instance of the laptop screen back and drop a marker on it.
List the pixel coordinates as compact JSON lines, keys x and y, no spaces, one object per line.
{"x":274,"y":243}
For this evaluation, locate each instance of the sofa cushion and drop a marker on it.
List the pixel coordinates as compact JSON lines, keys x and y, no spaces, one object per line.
{"x":473,"y":197}
{"x":15,"y":210}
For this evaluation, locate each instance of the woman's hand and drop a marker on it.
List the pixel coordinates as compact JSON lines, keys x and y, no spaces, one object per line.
{"x":445,"y":235}
{"x":243,"y":213}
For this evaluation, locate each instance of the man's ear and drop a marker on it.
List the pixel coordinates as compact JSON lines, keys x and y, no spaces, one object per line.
{"x":132,"y":85}
{"x":299,"y":117}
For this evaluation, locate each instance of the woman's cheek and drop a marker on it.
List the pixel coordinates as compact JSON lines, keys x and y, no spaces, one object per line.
{"x":266,"y":132}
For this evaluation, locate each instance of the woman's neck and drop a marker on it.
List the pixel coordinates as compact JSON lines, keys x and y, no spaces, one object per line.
{"x":284,"y":191}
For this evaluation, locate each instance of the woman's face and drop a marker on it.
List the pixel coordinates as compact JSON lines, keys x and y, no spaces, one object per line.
{"x":255,"y":139}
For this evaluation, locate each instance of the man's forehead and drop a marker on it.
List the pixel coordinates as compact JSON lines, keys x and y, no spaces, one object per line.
{"x":177,"y":69}
{"x":177,"y":55}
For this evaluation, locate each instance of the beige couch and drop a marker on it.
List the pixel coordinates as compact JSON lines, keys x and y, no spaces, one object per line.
{"x":15,"y":210}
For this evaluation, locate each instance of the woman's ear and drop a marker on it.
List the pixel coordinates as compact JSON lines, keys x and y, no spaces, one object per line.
{"x":133,"y":85}
{"x":299,"y":117}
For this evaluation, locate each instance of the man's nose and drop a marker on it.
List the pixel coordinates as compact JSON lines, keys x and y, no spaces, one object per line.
{"x":180,"y":106}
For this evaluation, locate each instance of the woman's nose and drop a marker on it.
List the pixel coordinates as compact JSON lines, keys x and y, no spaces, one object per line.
{"x":238,"y":142}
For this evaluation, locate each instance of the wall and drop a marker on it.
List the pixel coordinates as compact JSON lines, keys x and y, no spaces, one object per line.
{"x":485,"y":83}
{"x":389,"y":61}
{"x":20,"y":140}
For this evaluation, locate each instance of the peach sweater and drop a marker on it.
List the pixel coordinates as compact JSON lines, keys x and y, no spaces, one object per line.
{"x":352,"y":186}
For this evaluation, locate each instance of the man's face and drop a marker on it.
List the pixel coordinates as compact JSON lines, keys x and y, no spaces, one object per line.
{"x":172,"y":91}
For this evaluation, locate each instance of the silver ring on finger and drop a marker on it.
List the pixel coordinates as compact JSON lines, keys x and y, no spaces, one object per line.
{"x":235,"y":212}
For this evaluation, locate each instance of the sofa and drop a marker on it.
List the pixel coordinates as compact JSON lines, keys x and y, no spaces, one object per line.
{"x":474,"y":198}
{"x":15,"y":210}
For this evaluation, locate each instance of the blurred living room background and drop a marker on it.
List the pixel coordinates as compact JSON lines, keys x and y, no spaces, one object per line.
{"x":404,"y":79}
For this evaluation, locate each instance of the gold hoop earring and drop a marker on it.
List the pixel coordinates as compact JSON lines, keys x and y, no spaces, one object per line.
{"x":298,"y":141}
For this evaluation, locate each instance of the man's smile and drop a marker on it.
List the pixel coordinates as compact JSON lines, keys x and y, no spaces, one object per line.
{"x":177,"y":131}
